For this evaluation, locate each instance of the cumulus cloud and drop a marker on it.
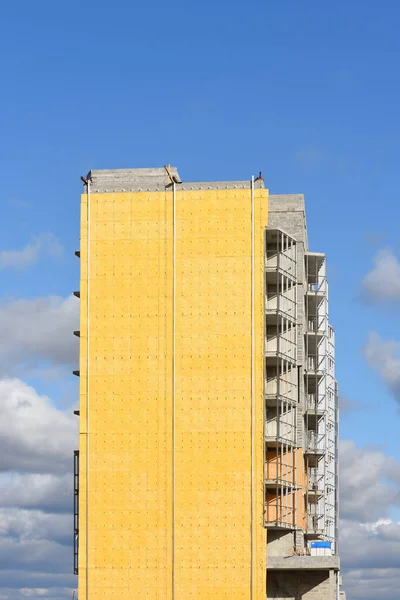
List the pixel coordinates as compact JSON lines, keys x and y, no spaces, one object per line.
{"x":33,"y":525}
{"x":38,"y":330}
{"x":364,"y":473}
{"x":382,"y":283}
{"x":37,"y":440}
{"x":370,"y":560}
{"x":44,"y":491}
{"x":56,"y":593}
{"x":45,"y":244}
{"x":384,"y":357}
{"x":369,"y":538}
{"x":33,"y":555}
{"x":35,"y":436}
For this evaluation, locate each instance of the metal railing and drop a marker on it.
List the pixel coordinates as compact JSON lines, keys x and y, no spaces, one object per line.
{"x":317,"y":324}
{"x":315,"y":441}
{"x":315,"y":484}
{"x":315,"y":522}
{"x":315,"y":363}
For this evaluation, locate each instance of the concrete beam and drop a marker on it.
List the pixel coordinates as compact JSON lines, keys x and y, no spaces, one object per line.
{"x":313,"y":563}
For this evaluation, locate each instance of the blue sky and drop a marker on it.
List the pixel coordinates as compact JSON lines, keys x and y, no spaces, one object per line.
{"x":308,"y":92}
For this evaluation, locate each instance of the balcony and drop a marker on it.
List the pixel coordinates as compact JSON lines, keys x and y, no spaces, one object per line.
{"x":280,"y":279}
{"x":280,"y":387}
{"x":280,"y":486}
{"x":280,"y":429}
{"x":279,"y":515}
{"x":273,"y":441}
{"x":315,"y":444}
{"x":315,"y":366}
{"x":315,"y":525}
{"x":315,"y":403}
{"x":278,"y":259}
{"x":280,"y":313}
{"x":315,"y":298}
{"x":280,"y":352}
{"x":280,"y":474}
{"x":315,"y":489}
{"x":317,"y":325}
{"x":274,"y":400}
{"x":317,"y":288}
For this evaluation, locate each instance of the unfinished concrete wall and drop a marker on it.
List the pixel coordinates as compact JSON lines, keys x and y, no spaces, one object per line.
{"x":301,"y":585}
{"x":280,"y":543}
{"x":287,"y":212}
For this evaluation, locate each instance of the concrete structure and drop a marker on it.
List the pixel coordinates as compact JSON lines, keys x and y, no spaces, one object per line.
{"x":301,"y":411}
{"x":208,"y":404}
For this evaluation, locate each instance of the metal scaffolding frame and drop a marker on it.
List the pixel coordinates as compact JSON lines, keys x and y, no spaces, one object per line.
{"x":76,"y":510}
{"x":337,"y":432}
{"x":320,"y":405}
{"x":281,"y":379}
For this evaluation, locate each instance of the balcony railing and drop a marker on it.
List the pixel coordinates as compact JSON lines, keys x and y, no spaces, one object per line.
{"x":315,"y":402}
{"x":317,"y":288}
{"x":315,"y":484}
{"x":315,"y":523}
{"x":315,"y":442}
{"x":317,"y":325}
{"x":315,"y":363}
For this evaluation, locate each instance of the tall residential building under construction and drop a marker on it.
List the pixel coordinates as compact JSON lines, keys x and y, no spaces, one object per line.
{"x":208,"y":456}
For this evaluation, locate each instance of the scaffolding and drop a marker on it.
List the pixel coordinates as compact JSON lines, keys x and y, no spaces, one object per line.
{"x":281,"y":380}
{"x":320,"y":405}
{"x":336,"y":544}
{"x":76,"y":510}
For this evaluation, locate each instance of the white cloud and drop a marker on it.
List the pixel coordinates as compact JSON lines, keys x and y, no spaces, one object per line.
{"x":40,"y":555}
{"x":54,"y":593}
{"x":369,"y":538}
{"x":35,"y":436}
{"x":44,"y":491}
{"x":36,"y":489}
{"x":382,"y":283}
{"x":23,"y":525}
{"x":45,"y":244}
{"x":37,"y":441}
{"x":384,"y":357}
{"x":364,"y":473}
{"x":38,"y":330}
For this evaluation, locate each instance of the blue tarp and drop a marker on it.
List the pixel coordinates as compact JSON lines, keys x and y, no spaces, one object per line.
{"x":321,"y":544}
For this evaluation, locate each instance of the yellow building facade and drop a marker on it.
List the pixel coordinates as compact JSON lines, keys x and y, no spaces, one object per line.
{"x":171,"y":457}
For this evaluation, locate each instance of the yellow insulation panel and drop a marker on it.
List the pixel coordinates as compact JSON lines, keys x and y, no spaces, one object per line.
{"x":170,"y":441}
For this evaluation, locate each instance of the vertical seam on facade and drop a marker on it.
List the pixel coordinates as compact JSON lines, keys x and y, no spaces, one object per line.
{"x":252,"y":390}
{"x":173,"y":378}
{"x":263,"y":291}
{"x":87,"y":386}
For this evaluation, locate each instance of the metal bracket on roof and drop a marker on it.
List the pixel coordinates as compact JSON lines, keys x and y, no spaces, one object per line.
{"x":172,"y":178}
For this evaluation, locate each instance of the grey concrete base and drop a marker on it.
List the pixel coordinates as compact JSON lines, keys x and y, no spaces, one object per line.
{"x":301,"y":585}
